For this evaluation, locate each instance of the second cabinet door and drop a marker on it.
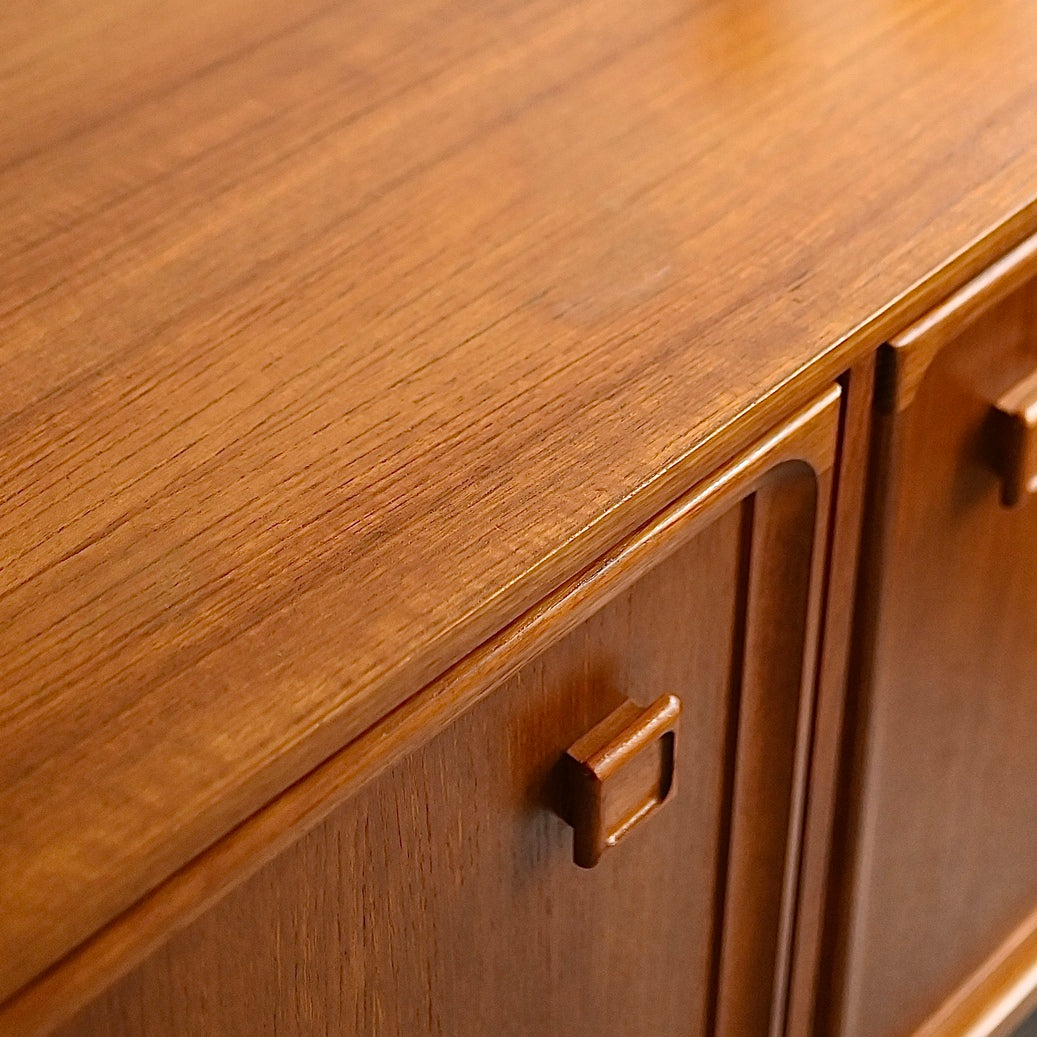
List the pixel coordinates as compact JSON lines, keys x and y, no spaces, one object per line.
{"x":942,"y":864}
{"x":442,"y":898}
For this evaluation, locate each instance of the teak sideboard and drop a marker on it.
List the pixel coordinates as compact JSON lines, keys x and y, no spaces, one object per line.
{"x":519,"y":518}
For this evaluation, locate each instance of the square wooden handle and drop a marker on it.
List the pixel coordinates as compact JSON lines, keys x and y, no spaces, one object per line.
{"x":619,"y":773}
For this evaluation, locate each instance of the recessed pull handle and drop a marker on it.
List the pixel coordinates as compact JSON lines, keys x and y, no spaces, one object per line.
{"x":1013,"y":441}
{"x":619,"y":773}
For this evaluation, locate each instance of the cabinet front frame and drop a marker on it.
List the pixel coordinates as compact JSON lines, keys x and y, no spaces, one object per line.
{"x":1003,"y":988}
{"x":787,"y":474}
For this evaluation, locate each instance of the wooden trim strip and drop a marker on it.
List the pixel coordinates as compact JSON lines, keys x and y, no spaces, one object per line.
{"x":997,"y":997}
{"x":906,"y":357}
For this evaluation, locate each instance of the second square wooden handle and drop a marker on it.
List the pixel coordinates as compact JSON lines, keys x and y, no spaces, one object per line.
{"x":1013,"y":428}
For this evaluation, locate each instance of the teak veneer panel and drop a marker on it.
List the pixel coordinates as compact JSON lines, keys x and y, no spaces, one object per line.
{"x":941,"y":864}
{"x":803,"y":445}
{"x":332,"y":337}
{"x":443,"y":898}
{"x":811,"y":965}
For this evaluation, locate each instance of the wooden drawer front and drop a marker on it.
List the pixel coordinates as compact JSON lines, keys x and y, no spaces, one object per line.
{"x":442,"y":898}
{"x":946,"y":833}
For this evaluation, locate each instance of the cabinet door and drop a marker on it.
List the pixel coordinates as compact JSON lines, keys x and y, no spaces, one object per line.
{"x":442,"y":897}
{"x":941,"y":866}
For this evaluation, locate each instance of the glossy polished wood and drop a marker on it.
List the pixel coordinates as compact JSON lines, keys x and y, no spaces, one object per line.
{"x":336,"y":336}
{"x":418,"y":908}
{"x":804,"y":445}
{"x":940,"y":868}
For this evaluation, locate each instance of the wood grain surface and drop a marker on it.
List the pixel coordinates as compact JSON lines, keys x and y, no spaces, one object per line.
{"x":443,"y":898}
{"x":807,"y":441}
{"x":810,"y":965}
{"x":332,"y":337}
{"x":940,"y":866}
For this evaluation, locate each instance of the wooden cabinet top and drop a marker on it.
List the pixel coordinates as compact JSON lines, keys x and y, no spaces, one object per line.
{"x":333,"y":336}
